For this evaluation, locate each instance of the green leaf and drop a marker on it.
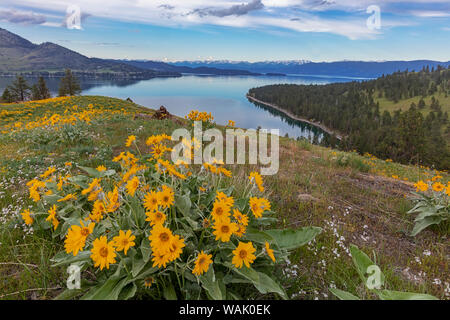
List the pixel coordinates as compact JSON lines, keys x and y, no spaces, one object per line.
{"x":169,"y":292}
{"x":97,"y":174}
{"x":138,"y":264}
{"x":362,"y":263}
{"x":68,"y":294}
{"x":258,"y":236}
{"x":343,"y":295}
{"x":397,"y":295}
{"x":109,"y":290}
{"x":64,"y":258}
{"x":261,"y":281}
{"x":183,"y":203}
{"x":211,"y":285}
{"x":426,"y":222}
{"x":128,"y":291}
{"x":291,"y":239}
{"x":145,"y":249}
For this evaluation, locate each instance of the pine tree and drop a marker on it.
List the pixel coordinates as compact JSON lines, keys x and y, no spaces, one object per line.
{"x":43,"y":89}
{"x":19,"y":89}
{"x":69,"y":85}
{"x":40,"y":91}
{"x":6,"y":96}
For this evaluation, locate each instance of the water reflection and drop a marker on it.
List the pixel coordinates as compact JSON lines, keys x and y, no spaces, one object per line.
{"x":223,"y":96}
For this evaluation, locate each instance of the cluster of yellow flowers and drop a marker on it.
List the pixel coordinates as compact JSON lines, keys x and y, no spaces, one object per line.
{"x":216,"y":168}
{"x":196,"y":115}
{"x":256,"y":178}
{"x":168,"y":210}
{"x":435,"y":185}
{"x":54,"y":120}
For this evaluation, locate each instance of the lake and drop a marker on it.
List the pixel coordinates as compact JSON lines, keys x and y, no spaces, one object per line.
{"x":223,"y":96}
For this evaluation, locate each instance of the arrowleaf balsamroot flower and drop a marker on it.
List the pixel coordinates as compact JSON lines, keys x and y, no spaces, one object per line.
{"x":155,"y":217}
{"x":124,"y":241}
{"x":220,"y":211}
{"x":240,"y":217}
{"x":103,"y":253}
{"x":257,"y":179}
{"x":132,"y":186}
{"x":224,"y":229}
{"x":202,"y":263}
{"x":130,"y":140}
{"x":161,"y":239}
{"x":52,"y":216}
{"x":166,"y":197}
{"x":258,"y":206}
{"x":269,"y":251}
{"x":151,"y":201}
{"x":421,"y":186}
{"x":76,"y":237}
{"x":438,"y":187}
{"x":243,"y":254}
{"x":26,"y":216}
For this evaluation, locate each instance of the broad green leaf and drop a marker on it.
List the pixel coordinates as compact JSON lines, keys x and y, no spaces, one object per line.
{"x":397,"y":295}
{"x":97,"y":174}
{"x":169,"y":292}
{"x":211,"y":285}
{"x":291,"y":239}
{"x":68,"y":294}
{"x":258,"y":236}
{"x":426,"y":222}
{"x":138,"y":264}
{"x":183,"y":203}
{"x":260,"y":280}
{"x":64,"y":258}
{"x":362,"y":263}
{"x":109,"y":290}
{"x":343,"y":295}
{"x":145,"y":249}
{"x":128,"y":291}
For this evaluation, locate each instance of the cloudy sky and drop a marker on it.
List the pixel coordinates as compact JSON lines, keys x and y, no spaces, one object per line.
{"x":253,"y":30}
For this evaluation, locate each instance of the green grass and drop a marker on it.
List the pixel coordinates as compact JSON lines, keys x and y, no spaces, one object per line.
{"x":404,"y":104}
{"x":348,"y":195}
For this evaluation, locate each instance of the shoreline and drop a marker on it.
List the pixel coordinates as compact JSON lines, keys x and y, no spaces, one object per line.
{"x":290,"y":115}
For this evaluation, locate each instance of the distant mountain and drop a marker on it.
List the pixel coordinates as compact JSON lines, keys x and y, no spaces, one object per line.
{"x":161,"y":66}
{"x":365,"y":69}
{"x":18,"y":55}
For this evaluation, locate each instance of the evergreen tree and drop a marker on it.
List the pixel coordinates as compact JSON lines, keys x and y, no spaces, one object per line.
{"x":19,"y":89}
{"x":40,"y":91}
{"x":6,"y":96}
{"x":69,"y":85}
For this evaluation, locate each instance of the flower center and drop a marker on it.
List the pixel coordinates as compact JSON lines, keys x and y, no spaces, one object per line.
{"x":225,"y":229}
{"x":124,"y":242}
{"x":219,"y":211}
{"x":164,"y":237}
{"x":201,"y":261}
{"x":104,"y":252}
{"x":85,"y":232}
{"x":242,"y":254}
{"x":166,"y":199}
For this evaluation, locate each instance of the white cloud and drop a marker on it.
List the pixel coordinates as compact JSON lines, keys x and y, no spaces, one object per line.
{"x":430,"y":14}
{"x":234,"y":13}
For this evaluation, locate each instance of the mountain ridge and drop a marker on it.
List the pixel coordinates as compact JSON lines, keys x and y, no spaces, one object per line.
{"x":18,"y":55}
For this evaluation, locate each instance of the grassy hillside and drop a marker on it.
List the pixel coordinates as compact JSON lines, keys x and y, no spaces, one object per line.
{"x":356,"y":199}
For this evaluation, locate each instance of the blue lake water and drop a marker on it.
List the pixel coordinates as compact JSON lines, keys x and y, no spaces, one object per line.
{"x":223,"y":96}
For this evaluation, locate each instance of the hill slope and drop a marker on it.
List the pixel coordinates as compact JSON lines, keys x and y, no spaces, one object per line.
{"x":353,"y":198}
{"x":20,"y":55}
